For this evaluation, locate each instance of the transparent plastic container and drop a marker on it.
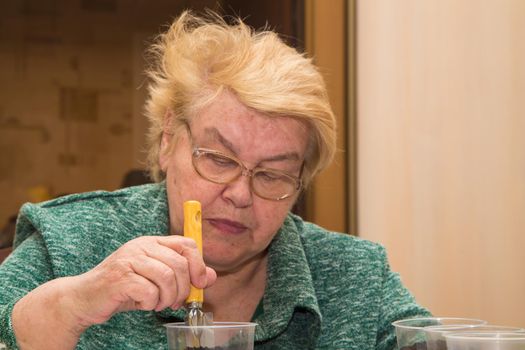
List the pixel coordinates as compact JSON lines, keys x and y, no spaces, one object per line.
{"x":435,"y":335}
{"x":411,"y":335}
{"x":485,"y":341}
{"x":218,"y":336}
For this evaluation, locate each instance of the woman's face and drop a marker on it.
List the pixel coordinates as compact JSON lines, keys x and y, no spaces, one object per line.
{"x":237,"y":224}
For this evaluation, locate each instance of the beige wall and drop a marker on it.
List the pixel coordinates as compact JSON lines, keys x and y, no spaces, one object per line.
{"x":441,"y":108}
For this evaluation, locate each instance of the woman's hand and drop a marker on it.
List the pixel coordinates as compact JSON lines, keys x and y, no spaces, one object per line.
{"x":147,"y":273}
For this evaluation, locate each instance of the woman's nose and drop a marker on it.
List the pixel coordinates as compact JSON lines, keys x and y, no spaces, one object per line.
{"x":239,"y":192}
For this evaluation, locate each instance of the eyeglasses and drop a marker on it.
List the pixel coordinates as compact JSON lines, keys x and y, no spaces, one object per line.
{"x":220,"y":168}
{"x":217,"y":167}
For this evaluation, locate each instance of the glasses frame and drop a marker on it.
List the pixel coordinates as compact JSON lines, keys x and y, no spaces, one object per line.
{"x":245,"y":171}
{"x":199,"y":151}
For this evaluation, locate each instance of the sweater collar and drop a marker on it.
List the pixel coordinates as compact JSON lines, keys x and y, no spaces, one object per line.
{"x":289,"y":286}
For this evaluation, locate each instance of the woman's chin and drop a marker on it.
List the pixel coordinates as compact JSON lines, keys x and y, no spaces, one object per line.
{"x":223,"y":267}
{"x":226,"y":261}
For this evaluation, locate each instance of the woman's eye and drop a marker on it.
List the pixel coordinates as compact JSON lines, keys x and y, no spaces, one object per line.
{"x":268,"y":176}
{"x":222,"y":161}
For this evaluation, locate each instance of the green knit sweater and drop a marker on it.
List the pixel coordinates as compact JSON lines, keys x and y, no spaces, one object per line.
{"x":324,"y":290}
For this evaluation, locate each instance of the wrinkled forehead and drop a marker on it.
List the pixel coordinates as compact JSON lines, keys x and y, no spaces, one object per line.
{"x":227,"y":121}
{"x":256,"y":135}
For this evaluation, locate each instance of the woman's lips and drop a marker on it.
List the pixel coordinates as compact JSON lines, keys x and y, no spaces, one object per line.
{"x":227,"y":226}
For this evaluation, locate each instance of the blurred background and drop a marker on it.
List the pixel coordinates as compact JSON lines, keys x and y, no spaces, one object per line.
{"x":430,"y":101}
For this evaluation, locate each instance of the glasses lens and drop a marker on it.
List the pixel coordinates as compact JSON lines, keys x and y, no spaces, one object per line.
{"x":219,"y":168}
{"x":273,"y":185}
{"x":216,"y":167}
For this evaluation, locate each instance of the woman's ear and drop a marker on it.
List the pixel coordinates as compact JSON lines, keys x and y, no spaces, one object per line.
{"x":164,"y":151}
{"x":165,"y":140}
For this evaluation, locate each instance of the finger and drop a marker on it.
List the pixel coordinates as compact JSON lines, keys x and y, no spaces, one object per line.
{"x":164,"y":254}
{"x":182,"y":278}
{"x":162,"y":276}
{"x":176,"y":242}
{"x":188,"y":248}
{"x":178,"y":263}
{"x":173,"y":251}
{"x":141,"y":293}
{"x":211,"y":276}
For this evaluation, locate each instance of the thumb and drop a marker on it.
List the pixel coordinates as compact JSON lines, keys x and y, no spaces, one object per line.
{"x":211,"y":276}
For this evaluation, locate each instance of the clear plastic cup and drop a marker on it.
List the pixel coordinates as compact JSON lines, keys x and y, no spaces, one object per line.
{"x":411,"y":335}
{"x":219,"y":335}
{"x":491,"y":328}
{"x":435,"y":335}
{"x":485,"y":341}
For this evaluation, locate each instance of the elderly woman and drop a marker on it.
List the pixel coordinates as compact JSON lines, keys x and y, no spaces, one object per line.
{"x":240,"y":122}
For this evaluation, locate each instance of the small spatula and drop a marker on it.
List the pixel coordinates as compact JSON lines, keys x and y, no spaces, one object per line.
{"x":195,"y":316}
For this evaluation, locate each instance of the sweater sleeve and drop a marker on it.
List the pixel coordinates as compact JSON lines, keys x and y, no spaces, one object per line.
{"x":397,"y":303}
{"x":26,"y":268}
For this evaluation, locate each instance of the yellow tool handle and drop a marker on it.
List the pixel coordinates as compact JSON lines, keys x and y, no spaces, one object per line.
{"x":193,"y":229}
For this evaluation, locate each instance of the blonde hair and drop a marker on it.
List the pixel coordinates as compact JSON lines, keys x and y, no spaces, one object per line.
{"x":198,"y":57}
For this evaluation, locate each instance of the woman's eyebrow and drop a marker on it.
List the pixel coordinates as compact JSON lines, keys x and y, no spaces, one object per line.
{"x":284,"y":156}
{"x":214,"y":134}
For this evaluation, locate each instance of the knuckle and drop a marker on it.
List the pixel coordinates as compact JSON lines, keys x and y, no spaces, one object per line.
{"x":138,"y":242}
{"x":118,"y":269}
{"x":180,"y":261}
{"x":167,"y":274}
{"x":151,"y":295}
{"x":190,"y":243}
{"x":182,"y":266}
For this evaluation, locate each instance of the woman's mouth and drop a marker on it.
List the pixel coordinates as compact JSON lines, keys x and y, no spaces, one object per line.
{"x":227,"y":226}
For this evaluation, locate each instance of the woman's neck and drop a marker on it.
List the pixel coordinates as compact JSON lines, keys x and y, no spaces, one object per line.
{"x":235,"y":295}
